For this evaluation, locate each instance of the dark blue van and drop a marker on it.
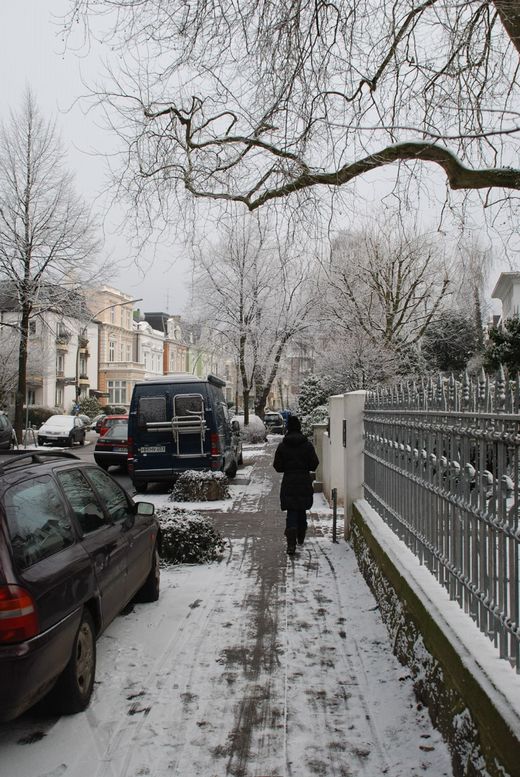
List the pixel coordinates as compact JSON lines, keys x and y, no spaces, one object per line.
{"x":179,"y":422}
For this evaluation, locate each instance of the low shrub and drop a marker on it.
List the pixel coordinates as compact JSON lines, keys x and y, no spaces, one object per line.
{"x":89,"y":406}
{"x":255,"y":432}
{"x":188,"y":537}
{"x":39,"y":413}
{"x":113,"y":410}
{"x":197,"y":486}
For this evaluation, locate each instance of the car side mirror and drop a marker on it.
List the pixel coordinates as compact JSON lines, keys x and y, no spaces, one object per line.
{"x":144,"y":508}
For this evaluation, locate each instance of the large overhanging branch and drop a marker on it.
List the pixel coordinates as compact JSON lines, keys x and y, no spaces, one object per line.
{"x":459,"y":176}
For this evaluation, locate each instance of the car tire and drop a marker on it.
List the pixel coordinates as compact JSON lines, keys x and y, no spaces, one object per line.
{"x":73,"y":690}
{"x":149,"y":592}
{"x":232,"y":469}
{"x":141,"y":486}
{"x":40,"y":441}
{"x":240,"y":459}
{"x":70,"y":441}
{"x":103,"y":465}
{"x":82,"y":441}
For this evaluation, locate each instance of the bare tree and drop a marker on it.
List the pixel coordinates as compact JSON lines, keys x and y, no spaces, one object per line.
{"x":255,"y":101}
{"x":47,"y":242}
{"x":389,"y":287}
{"x":254,"y":289}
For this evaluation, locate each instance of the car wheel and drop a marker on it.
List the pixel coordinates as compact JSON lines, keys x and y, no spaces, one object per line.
{"x":141,"y":486}
{"x":73,"y":690}
{"x":82,"y":441}
{"x":149,"y":592}
{"x":70,"y":442}
{"x":40,"y":441}
{"x":232,"y":469}
{"x":103,"y":465}
{"x":240,"y":459}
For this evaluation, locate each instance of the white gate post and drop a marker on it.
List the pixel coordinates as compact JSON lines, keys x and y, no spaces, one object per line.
{"x":354,"y":403}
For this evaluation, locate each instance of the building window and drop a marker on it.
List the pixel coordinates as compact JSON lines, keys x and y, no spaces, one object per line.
{"x":60,"y":363}
{"x":117,"y":392}
{"x":128,"y":352}
{"x":111,"y":351}
{"x":31,"y":397}
{"x":112,"y":315}
{"x":59,"y":397}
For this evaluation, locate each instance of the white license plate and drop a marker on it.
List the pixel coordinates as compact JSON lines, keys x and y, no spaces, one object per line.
{"x":153,"y":449}
{"x":119,"y":450}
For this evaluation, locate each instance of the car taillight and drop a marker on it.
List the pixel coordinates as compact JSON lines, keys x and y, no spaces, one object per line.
{"x":215,"y":445}
{"x":18,"y":616}
{"x":130,"y":443}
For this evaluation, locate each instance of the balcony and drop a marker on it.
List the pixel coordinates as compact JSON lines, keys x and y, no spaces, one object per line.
{"x":82,"y":343}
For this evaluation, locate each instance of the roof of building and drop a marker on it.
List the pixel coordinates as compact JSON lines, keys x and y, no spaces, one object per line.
{"x":504,"y":283}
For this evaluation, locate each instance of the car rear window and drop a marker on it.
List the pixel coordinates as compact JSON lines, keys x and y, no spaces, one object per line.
{"x":37,"y":521}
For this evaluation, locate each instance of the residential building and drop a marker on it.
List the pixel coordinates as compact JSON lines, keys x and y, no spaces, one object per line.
{"x":119,"y":367}
{"x":149,"y":348}
{"x":507,"y":290}
{"x":59,"y":362}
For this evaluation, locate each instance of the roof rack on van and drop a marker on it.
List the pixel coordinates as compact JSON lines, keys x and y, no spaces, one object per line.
{"x":16,"y":457}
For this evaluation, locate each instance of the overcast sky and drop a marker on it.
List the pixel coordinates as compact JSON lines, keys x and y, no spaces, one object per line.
{"x":32,"y":54}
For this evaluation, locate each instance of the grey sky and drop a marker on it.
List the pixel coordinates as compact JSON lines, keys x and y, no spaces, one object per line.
{"x":32,"y":54}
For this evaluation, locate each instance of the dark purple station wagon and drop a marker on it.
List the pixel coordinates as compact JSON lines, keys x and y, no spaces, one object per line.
{"x":74,"y":550}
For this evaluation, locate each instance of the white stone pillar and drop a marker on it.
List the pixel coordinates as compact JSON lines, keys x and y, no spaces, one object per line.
{"x":352,"y":434}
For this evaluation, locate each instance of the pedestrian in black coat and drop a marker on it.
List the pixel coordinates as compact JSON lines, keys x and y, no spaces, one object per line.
{"x":296,"y":458}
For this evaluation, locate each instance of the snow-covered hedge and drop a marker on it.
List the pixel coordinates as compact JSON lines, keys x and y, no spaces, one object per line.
{"x":316,"y":416}
{"x":200,"y":486}
{"x":255,"y":432}
{"x":188,"y":537}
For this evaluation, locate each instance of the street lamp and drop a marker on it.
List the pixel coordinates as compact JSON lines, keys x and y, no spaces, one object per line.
{"x":83,"y":331}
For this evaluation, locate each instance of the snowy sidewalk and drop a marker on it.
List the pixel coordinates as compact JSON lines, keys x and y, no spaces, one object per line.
{"x":258,"y":665}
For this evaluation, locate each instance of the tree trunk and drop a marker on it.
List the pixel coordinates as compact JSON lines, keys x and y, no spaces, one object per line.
{"x":21,"y":389}
{"x":478,"y":319}
{"x":509,"y":12}
{"x":245,"y":400}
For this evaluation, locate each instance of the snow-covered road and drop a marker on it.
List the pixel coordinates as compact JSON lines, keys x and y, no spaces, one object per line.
{"x":258,"y":665}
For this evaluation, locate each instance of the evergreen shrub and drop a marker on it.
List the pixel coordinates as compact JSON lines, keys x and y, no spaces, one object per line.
{"x":197,"y":486}
{"x":188,"y":537}
{"x":39,"y":413}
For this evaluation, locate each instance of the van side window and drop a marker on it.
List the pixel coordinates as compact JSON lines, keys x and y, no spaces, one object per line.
{"x":151,"y":409}
{"x":188,"y":404}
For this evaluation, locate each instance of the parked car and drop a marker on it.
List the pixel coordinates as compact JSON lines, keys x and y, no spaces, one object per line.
{"x":112,"y":447}
{"x":274,"y":423}
{"x":62,"y":430}
{"x":96,"y":422}
{"x":111,"y":420}
{"x":6,"y":432}
{"x":74,"y":550}
{"x":179,"y":422}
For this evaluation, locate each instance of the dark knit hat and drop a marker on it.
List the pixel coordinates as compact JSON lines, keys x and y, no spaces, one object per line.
{"x":293,"y":424}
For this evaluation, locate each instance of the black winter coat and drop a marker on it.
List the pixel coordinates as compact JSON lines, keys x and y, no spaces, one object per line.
{"x":296,"y":458}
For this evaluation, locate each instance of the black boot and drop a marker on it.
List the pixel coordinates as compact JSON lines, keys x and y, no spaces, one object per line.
{"x":301,"y":534}
{"x":291,"y":541}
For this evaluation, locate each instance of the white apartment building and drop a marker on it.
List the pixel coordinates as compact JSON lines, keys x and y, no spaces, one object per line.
{"x":149,"y":345}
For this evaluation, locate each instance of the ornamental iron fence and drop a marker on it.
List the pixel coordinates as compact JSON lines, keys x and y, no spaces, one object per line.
{"x":442,"y":466}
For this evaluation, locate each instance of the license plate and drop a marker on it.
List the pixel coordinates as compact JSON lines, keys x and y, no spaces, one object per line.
{"x":153,"y":449}
{"x":120,"y":450}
